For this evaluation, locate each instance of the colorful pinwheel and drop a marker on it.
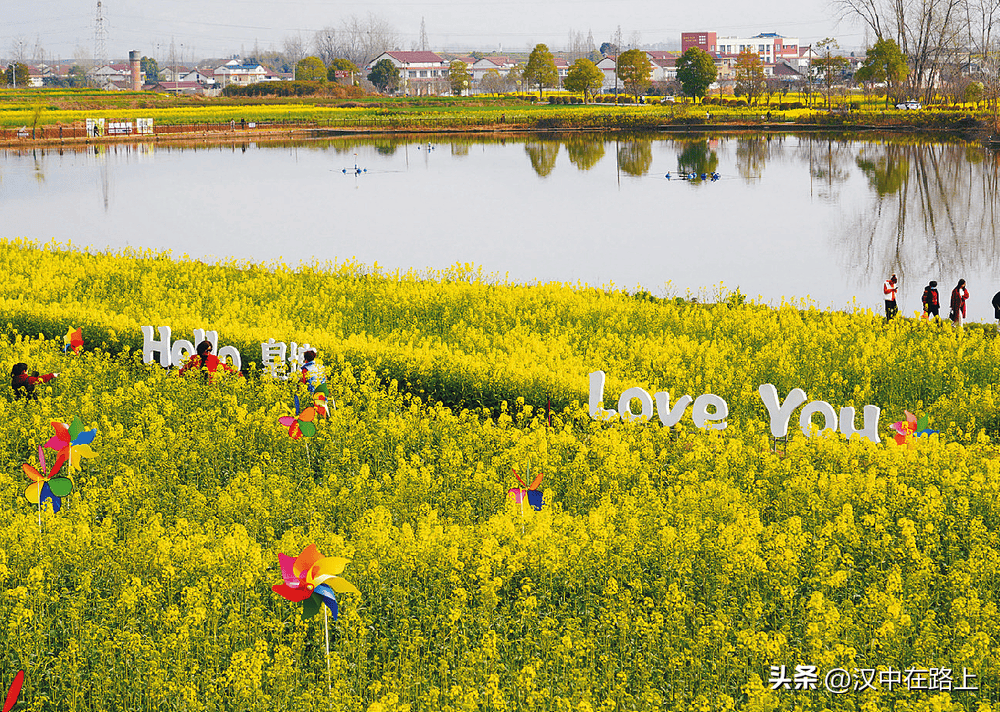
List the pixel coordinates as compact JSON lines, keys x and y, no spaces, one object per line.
{"x":532,"y":493}
{"x":312,"y":578}
{"x":301,"y":424}
{"x":911,"y":426}
{"x":72,"y":441}
{"x":73,"y":340}
{"x":45,"y":486}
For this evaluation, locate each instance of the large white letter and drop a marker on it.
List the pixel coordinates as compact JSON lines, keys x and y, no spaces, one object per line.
{"x":781,"y":413}
{"x":701,"y":416}
{"x":668,"y":417}
{"x":232,"y":353}
{"x":597,"y":398}
{"x":149,"y":345}
{"x":180,"y":347}
{"x":869,"y":429}
{"x":625,"y":404}
{"x":822,"y":407}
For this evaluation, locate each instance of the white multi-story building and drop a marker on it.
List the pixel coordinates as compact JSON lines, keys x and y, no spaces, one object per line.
{"x":769,"y":46}
{"x":233,"y":72}
{"x":419,"y":72}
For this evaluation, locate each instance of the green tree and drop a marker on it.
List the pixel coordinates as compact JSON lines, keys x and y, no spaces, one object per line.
{"x":749,"y":75}
{"x":458,"y":75}
{"x":828,"y":67}
{"x":341,"y":65}
{"x":492,"y":82}
{"x":635,"y":69}
{"x":17,"y":75}
{"x":384,"y":75}
{"x":696,"y":71}
{"x":77,"y":76}
{"x":150,"y":68}
{"x":584,"y":77}
{"x":884,"y":62}
{"x":541,"y":69}
{"x":974,"y":93}
{"x":310,"y":69}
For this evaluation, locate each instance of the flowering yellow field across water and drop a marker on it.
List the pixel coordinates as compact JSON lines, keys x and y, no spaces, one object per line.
{"x":667,"y":570}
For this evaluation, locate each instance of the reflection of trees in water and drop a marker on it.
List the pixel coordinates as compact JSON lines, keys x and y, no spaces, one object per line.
{"x":585,"y":152}
{"x":934,"y":212}
{"x":635,"y":156}
{"x":752,"y":154}
{"x":829,"y":160}
{"x":697,"y":157}
{"x":542,"y":155}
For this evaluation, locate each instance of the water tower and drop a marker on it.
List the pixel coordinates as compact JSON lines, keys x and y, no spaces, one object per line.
{"x":133,"y":60}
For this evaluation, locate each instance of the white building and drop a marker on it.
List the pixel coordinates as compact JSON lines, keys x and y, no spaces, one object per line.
{"x":419,"y":72}
{"x":232,"y":72}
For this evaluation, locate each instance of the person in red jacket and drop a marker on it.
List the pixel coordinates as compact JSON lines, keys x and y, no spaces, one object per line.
{"x":959,"y":295}
{"x":24,"y":384}
{"x":206,"y":362}
{"x":889,"y":289}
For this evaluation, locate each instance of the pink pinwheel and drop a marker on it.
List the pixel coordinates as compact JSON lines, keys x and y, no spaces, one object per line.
{"x":72,"y":442}
{"x":312,"y":578}
{"x":45,"y":485}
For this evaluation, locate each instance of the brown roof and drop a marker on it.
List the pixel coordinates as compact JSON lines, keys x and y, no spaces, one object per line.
{"x":415,"y":57}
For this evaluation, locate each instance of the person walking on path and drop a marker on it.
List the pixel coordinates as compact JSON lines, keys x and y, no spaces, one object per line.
{"x":931,"y":301}
{"x":996,"y":309}
{"x":959,"y":295}
{"x":889,"y":289}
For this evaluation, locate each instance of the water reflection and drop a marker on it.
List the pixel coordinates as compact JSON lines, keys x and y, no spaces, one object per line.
{"x":542,"y":155}
{"x":933,"y":213}
{"x":635,"y":156}
{"x":584,"y":152}
{"x":830,"y":216}
{"x":697,"y":157}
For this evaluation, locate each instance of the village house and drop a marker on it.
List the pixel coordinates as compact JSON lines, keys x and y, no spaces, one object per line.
{"x":420,"y":73}
{"x":235,"y":72}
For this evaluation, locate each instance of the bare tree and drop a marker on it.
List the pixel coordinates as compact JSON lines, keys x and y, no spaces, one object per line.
{"x":929,"y":32}
{"x":364,"y":39}
{"x":326,"y":44}
{"x":294,"y":48}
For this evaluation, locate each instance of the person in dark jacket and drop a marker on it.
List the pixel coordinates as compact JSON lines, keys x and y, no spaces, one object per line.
{"x":959,"y":295}
{"x":996,"y":309}
{"x":23,"y":384}
{"x":932,"y":303}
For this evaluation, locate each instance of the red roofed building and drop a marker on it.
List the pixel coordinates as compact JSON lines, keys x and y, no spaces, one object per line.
{"x":419,"y":72}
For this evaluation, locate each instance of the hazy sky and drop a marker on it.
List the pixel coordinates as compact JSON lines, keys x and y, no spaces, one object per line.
{"x":216,"y":28}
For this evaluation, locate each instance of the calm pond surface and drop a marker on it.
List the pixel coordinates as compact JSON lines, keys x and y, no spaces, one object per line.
{"x":789,"y":217}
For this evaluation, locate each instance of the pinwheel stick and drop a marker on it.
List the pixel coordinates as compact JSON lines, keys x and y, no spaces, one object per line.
{"x":326,"y":630}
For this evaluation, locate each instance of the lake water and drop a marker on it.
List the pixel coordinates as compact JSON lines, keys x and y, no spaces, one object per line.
{"x":789,"y":217}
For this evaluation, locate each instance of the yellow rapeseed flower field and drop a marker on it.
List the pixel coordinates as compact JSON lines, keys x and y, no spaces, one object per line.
{"x":670,"y":568}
